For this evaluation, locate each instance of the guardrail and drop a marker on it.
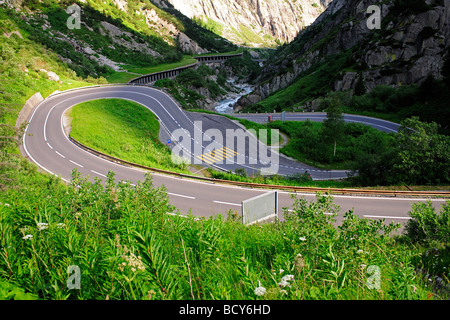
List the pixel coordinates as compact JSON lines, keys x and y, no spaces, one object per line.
{"x":296,"y":189}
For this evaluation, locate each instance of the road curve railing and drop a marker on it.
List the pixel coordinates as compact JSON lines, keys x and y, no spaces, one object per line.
{"x":294,"y":189}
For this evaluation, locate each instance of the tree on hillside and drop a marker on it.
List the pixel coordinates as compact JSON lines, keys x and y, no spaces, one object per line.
{"x":334,"y":125}
{"x":423,"y":153}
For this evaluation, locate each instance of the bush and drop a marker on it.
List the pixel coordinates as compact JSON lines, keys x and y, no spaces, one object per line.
{"x":426,"y":226}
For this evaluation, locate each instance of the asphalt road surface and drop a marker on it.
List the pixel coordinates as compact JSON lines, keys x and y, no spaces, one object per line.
{"x":379,"y":124}
{"x":47,"y":145}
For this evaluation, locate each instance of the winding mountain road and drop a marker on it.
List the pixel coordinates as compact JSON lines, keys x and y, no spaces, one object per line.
{"x":47,"y":144}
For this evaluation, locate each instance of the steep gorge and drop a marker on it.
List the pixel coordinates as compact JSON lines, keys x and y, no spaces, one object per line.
{"x":255,"y":23}
{"x":411,"y":46}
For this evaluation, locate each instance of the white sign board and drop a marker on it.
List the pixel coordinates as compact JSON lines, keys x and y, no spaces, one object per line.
{"x":260,"y":208}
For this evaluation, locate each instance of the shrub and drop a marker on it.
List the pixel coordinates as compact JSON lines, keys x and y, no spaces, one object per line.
{"x":426,"y":226}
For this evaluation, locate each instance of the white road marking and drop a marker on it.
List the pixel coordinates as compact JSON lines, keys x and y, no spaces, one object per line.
{"x":49,"y":146}
{"x":228,"y":203}
{"x":77,"y":164}
{"x":180,"y":195}
{"x":59,"y":154}
{"x":387,"y":217}
{"x":98,"y":173}
{"x":325,"y":213}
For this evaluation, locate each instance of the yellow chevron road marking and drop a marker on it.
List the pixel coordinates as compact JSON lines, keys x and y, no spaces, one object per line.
{"x":217,"y":155}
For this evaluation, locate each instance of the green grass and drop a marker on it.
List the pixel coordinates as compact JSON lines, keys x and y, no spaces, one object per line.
{"x":121,"y":77}
{"x":122,"y":129}
{"x":187,"y":60}
{"x":128,"y":248}
{"x":240,"y":50}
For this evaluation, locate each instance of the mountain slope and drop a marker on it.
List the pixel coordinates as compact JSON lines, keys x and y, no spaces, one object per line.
{"x":114,"y":35}
{"x":254,"y":23}
{"x":338,"y":51}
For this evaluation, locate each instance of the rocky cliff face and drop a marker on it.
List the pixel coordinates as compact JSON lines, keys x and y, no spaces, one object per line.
{"x":253,"y":22}
{"x":411,"y":45}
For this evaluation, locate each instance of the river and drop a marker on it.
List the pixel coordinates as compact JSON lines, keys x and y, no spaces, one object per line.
{"x":225,"y":106}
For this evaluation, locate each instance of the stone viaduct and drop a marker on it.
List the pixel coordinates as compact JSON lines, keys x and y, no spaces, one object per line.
{"x":172,"y":73}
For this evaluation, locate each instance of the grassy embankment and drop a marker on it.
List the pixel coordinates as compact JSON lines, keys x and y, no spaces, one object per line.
{"x":126,"y":247}
{"x":122,"y":129}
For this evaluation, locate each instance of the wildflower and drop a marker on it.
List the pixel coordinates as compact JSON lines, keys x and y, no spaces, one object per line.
{"x":302,"y":239}
{"x":27,"y":237}
{"x":42,"y":226}
{"x":61,"y":225}
{"x":300,"y":263}
{"x":285,"y":280}
{"x":24,"y":229}
{"x":260,"y":291}
{"x":359,"y":251}
{"x":150,"y":293}
{"x":281,"y":271}
{"x":134,"y":262}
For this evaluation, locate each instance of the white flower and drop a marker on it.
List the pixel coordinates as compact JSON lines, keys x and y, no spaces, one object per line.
{"x":288,"y":277}
{"x":42,"y":226}
{"x":60,"y":225}
{"x":134,"y":262}
{"x":260,"y":291}
{"x":285,"y":280}
{"x":281,"y":271}
{"x":302,"y":239}
{"x":27,"y":237}
{"x":359,"y":251}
